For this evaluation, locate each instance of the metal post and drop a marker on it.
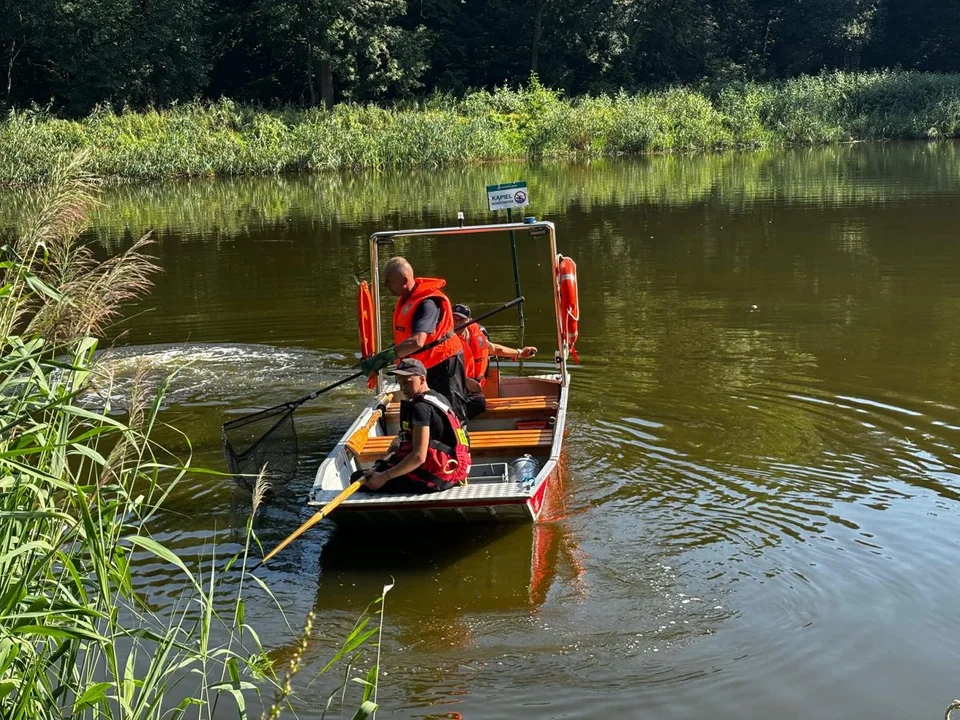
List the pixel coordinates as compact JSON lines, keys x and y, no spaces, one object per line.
{"x":375,"y":282}
{"x":557,"y":310}
{"x":516,"y":271}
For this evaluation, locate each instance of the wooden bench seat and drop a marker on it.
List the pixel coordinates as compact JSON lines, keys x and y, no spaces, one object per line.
{"x":499,"y":407}
{"x":494,"y":442}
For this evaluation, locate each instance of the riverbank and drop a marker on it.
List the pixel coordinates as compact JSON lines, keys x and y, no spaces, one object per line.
{"x":224,"y":138}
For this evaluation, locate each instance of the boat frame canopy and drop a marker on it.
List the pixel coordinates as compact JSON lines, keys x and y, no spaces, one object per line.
{"x":534,"y":230}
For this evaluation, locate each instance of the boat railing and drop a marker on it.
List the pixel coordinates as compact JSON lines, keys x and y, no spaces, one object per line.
{"x":537,"y":229}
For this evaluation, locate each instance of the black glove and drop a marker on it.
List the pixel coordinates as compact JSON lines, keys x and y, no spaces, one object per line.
{"x":360,"y":474}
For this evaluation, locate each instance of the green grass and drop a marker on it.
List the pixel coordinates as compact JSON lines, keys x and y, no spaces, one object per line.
{"x":223,"y":138}
{"x":79,"y":487}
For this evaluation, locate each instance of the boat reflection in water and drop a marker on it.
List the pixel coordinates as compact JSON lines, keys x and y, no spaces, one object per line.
{"x":458,"y":589}
{"x":477,"y":568}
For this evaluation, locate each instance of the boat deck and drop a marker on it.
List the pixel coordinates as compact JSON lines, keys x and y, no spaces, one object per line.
{"x":488,"y":496}
{"x":480,"y":489}
{"x":524,"y":416}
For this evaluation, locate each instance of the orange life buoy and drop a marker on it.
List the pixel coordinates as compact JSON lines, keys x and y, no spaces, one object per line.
{"x":367,"y":325}
{"x":569,"y":303}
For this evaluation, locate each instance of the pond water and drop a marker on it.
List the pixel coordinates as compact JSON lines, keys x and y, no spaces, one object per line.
{"x":758,"y":515}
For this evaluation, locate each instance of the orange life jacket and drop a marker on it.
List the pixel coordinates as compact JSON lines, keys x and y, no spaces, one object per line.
{"x":476,"y":353}
{"x":467,"y":355}
{"x":403,"y":322}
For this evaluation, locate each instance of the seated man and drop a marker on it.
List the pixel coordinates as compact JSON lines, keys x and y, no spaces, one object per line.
{"x":477,"y":350}
{"x":432,"y":451}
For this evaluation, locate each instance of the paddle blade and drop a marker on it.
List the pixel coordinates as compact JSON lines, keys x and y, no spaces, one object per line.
{"x":321,"y":514}
{"x":358,"y":440}
{"x":265,"y":441}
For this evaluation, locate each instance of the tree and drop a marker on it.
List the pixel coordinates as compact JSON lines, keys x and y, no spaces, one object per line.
{"x":917,"y":34}
{"x":145,"y":52}
{"x":127,"y":52}
{"x":807,"y":37}
{"x":352,"y":48}
{"x":23,"y":31}
{"x":636,"y":43}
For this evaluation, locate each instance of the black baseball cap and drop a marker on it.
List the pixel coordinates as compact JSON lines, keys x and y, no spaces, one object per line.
{"x":409,"y":366}
{"x":461,"y":309}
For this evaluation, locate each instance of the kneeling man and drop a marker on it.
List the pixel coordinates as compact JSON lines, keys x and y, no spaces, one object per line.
{"x":432,"y":451}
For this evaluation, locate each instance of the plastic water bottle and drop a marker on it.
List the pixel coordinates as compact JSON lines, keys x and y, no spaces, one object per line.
{"x":524,"y":471}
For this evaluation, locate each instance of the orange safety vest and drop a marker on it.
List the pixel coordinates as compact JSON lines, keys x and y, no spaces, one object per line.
{"x":403,"y":322}
{"x":476,"y":353}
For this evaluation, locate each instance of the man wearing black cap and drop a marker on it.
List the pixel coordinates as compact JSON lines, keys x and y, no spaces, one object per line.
{"x":476,"y":354}
{"x":477,"y":349}
{"x":432,"y":451}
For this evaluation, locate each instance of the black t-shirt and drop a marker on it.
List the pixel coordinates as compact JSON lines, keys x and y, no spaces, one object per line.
{"x":423,"y":413}
{"x":426,"y":317}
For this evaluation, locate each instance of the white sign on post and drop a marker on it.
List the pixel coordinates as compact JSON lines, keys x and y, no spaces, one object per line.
{"x":507,"y":196}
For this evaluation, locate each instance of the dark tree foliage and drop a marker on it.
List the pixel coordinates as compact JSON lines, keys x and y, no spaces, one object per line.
{"x":77,"y":54}
{"x":25,"y":33}
{"x":918,"y":34}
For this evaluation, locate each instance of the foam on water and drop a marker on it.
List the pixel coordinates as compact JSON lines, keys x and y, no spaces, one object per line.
{"x":216,"y":374}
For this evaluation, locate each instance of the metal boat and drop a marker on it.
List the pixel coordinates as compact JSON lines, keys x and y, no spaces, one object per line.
{"x":515,"y":445}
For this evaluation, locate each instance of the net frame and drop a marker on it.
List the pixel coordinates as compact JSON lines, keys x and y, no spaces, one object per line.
{"x":250,"y":450}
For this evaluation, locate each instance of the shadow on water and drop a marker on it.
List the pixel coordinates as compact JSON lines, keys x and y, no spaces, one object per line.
{"x":473,"y":567}
{"x":485,"y":567}
{"x":476,"y":567}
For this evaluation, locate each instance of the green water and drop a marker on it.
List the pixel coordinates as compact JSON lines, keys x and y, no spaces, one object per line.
{"x":759,"y":512}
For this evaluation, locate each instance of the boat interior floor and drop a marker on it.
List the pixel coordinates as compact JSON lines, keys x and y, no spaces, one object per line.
{"x":512,"y":425}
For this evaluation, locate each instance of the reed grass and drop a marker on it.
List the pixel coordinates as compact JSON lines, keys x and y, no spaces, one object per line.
{"x":224,"y":138}
{"x":78,"y":490}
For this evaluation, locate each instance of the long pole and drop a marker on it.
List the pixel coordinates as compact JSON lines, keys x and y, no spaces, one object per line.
{"x":516,"y":269}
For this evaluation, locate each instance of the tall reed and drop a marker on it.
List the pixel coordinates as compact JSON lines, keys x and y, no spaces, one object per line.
{"x":225,"y":138}
{"x":78,"y":490}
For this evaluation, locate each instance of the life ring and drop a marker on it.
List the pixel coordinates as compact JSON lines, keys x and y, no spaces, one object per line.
{"x":569,"y":303}
{"x":367,"y":326}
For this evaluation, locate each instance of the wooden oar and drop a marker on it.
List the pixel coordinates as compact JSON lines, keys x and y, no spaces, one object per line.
{"x":324,"y":511}
{"x":354,"y":444}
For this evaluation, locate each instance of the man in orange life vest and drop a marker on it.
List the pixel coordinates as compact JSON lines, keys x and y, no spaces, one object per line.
{"x":477,"y":349}
{"x":432,"y":451}
{"x":423,"y":316}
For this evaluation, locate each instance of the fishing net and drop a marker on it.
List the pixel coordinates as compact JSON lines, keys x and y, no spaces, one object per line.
{"x":265,"y":441}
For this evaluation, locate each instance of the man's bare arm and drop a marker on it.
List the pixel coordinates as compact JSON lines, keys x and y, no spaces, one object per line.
{"x":416,"y":458}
